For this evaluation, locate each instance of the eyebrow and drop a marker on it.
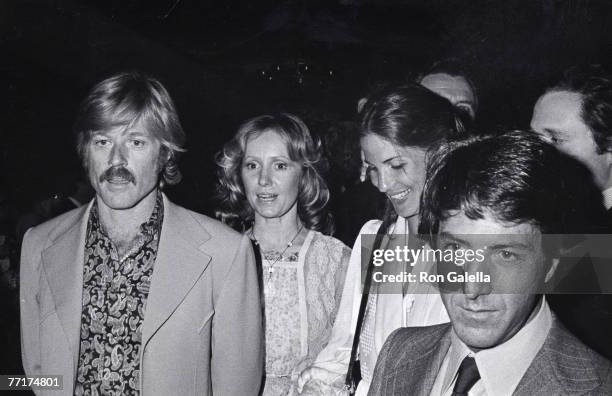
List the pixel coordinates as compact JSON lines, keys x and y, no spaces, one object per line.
{"x":517,"y":245}
{"x":553,"y":131}
{"x":129,"y":133}
{"x":276,"y":157}
{"x":453,"y":238}
{"x":138,"y":132}
{"x":385,"y":161}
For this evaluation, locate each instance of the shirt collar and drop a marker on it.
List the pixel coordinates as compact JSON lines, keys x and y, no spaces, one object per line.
{"x":607,"y":197}
{"x":499,"y":376}
{"x":150,"y":229}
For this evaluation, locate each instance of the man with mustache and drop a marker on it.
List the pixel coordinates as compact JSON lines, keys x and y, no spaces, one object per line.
{"x":503,"y":338}
{"x":133,"y":294}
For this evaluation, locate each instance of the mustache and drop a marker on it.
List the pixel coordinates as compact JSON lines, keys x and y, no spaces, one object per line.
{"x":117,"y":172}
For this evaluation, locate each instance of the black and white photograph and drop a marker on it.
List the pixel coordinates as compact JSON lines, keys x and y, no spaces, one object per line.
{"x":291,"y":197}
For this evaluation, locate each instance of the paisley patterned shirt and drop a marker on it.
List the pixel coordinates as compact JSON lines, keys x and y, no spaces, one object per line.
{"x":115,"y":291}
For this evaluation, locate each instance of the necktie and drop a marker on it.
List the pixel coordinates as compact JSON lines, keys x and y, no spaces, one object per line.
{"x":467,"y":377}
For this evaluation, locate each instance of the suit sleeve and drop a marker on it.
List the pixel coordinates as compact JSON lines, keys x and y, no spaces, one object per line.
{"x":237,"y":335}
{"x":29,"y":309}
{"x":376,"y":387}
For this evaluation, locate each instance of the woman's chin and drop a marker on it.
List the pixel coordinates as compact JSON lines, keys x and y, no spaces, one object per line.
{"x":405,"y":209}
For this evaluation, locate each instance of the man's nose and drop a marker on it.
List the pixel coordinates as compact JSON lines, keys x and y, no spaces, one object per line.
{"x":472,"y":289}
{"x":118,"y":156}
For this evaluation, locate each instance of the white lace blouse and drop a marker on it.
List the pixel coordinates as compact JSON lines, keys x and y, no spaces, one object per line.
{"x":301,"y":299}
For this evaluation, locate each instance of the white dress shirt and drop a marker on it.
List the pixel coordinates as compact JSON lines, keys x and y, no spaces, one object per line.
{"x":607,"y":197}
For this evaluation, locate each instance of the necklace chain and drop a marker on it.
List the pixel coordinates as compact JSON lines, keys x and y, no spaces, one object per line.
{"x":280,"y":256}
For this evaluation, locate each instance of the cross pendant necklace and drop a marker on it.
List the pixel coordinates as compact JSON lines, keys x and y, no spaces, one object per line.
{"x":269,"y":285}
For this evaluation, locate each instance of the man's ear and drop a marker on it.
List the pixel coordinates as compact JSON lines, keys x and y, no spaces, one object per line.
{"x":360,"y":104}
{"x":554,"y":263}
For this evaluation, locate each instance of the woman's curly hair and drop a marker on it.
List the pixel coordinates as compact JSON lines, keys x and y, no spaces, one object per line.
{"x":313,"y":194}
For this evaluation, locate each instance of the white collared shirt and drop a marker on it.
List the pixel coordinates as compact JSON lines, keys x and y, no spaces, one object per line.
{"x":499,"y":375}
{"x":607,"y":197}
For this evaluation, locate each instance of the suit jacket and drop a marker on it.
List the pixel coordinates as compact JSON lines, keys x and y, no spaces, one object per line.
{"x":411,"y":358}
{"x":579,"y":299}
{"x":202,"y":330}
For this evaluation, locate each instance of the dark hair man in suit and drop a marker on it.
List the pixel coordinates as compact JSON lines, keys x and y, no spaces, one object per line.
{"x":499,"y":194}
{"x":575,"y":115}
{"x":132,"y":294}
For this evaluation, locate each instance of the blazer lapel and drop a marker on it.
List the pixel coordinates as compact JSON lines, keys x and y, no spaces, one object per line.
{"x":538,"y":379}
{"x":417,"y":375}
{"x":179,"y":264}
{"x":432,"y":363}
{"x":63,"y":268}
{"x":557,"y":367}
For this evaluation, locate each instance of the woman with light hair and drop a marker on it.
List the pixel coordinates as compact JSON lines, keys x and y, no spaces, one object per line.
{"x":269,"y":188}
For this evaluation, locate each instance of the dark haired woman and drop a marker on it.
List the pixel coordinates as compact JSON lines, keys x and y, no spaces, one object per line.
{"x":398,"y":127}
{"x":270,"y":189}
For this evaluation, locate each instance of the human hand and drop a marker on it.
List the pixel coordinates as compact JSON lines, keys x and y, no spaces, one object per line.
{"x":318,"y":381}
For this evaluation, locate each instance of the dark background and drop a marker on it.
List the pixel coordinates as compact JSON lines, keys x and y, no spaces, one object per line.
{"x":229,"y":60}
{"x":212,"y":57}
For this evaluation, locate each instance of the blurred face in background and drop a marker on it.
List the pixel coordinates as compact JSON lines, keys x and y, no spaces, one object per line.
{"x":453,"y":88}
{"x":398,"y":172}
{"x":270,"y":177}
{"x":557,"y":118}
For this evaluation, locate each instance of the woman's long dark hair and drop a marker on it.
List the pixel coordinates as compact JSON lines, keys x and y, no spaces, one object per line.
{"x":408,"y":116}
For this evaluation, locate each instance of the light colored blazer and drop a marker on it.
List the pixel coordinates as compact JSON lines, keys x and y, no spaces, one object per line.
{"x":202,"y":331}
{"x":411,"y":358}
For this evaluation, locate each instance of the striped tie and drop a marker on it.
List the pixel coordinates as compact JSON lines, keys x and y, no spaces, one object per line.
{"x":467,"y":377}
